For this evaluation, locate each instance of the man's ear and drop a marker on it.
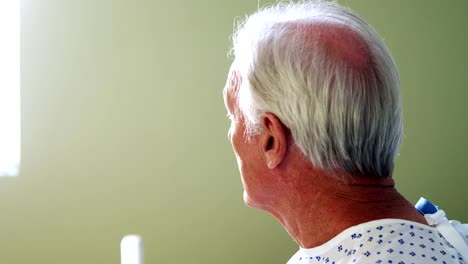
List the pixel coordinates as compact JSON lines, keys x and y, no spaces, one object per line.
{"x":274,"y":140}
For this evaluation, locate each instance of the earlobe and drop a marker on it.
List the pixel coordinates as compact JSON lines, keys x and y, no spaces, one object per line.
{"x":274,"y":140}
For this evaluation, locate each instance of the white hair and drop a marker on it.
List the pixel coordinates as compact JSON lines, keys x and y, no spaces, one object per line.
{"x":327,"y":75}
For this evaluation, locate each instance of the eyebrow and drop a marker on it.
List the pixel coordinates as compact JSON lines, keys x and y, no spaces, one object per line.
{"x":235,"y":80}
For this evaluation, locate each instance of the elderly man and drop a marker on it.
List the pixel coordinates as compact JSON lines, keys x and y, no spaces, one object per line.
{"x":316,"y":123}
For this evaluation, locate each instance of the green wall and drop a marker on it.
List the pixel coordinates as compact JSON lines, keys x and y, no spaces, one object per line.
{"x":124,"y":129}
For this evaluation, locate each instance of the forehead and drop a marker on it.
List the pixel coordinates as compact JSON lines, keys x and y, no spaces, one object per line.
{"x":231,"y":88}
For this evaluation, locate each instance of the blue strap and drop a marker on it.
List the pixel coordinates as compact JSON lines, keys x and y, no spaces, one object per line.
{"x":425,"y":206}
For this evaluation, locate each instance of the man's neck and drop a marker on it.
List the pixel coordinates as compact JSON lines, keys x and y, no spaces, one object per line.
{"x":317,"y":211}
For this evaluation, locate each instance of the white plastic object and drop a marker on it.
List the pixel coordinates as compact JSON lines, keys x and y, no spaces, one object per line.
{"x":131,"y":250}
{"x":453,"y":231}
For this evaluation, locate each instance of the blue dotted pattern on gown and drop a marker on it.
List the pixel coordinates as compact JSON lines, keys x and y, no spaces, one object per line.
{"x":398,"y":243}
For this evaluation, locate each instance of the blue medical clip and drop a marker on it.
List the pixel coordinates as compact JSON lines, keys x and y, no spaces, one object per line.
{"x":425,"y":206}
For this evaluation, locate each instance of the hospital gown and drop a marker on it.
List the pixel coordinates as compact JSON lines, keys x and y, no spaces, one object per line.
{"x":383,"y":241}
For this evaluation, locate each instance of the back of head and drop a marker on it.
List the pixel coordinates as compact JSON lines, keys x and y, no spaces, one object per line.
{"x":328,"y":77}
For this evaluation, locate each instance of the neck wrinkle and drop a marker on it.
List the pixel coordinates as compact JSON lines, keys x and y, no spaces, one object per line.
{"x":323,"y":208}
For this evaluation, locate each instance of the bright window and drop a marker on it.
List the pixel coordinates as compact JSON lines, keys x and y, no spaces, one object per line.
{"x":10,"y":133}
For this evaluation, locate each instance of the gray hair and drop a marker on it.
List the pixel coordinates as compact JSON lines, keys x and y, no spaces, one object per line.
{"x":327,"y":75}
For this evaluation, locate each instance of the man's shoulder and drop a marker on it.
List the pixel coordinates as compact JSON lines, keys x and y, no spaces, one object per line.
{"x":380,"y":241}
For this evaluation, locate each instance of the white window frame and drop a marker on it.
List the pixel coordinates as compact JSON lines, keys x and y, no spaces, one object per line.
{"x":10,"y":124}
